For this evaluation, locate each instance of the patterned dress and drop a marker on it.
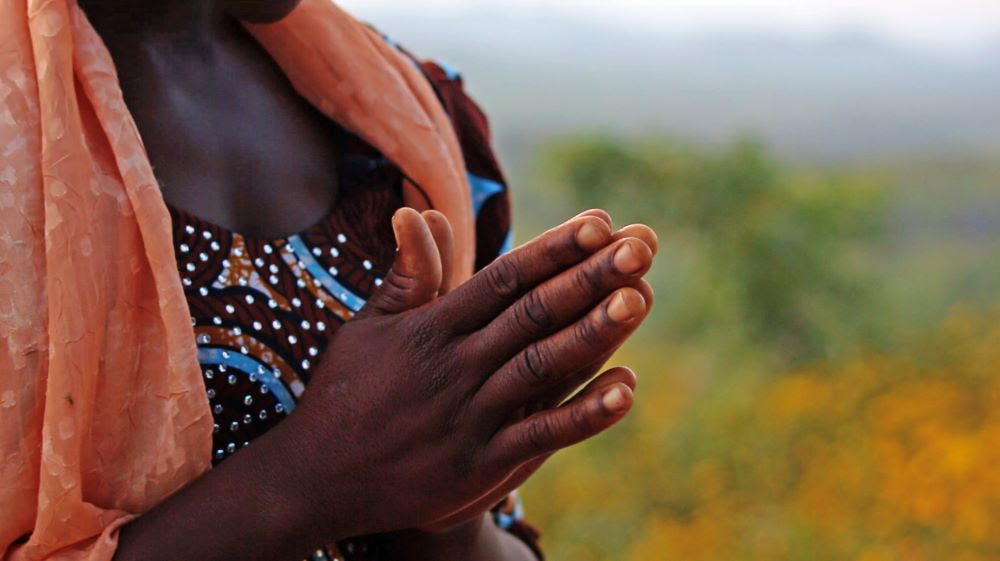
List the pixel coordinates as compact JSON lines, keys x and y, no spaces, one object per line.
{"x":263,"y":310}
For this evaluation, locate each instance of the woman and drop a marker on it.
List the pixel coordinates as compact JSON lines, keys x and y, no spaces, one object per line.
{"x":157,"y":324}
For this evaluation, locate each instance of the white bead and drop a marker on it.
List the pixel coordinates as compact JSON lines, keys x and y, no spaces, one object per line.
{"x":268,"y":249}
{"x":341,"y":238}
{"x":249,"y":298}
{"x":230,"y":309}
{"x":313,"y":351}
{"x":185,"y":248}
{"x":276,"y":324}
{"x":296,"y":302}
{"x":292,"y":339}
{"x":257,"y":326}
{"x":367,"y":264}
{"x":207,"y":235}
{"x":189,"y":229}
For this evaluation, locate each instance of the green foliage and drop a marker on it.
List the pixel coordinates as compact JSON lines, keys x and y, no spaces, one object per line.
{"x":776,"y":258}
{"x":764,"y":427}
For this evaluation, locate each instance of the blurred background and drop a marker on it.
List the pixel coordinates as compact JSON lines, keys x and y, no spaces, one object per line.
{"x":819,"y":379}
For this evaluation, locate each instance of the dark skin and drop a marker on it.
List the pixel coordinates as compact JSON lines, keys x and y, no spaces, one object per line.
{"x":475,"y":378}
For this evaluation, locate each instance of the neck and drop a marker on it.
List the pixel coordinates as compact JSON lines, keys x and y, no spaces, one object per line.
{"x":176,"y":22}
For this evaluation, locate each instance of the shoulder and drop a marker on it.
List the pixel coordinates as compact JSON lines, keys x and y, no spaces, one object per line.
{"x":490,"y":199}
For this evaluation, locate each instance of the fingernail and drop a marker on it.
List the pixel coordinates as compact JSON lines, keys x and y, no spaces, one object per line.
{"x":626,"y":259}
{"x":618,"y":309}
{"x":590,"y":237}
{"x":614,"y":400}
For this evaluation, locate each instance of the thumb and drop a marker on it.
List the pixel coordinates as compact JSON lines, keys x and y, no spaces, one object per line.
{"x":416,"y":274}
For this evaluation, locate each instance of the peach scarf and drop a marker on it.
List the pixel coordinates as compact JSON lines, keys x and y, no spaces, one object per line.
{"x":103,"y":412}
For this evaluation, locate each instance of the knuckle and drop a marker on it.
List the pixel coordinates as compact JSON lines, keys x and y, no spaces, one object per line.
{"x":537,"y":434}
{"x":533,"y":365}
{"x":424,"y":332}
{"x":502,"y":278}
{"x":589,"y":334}
{"x":424,"y":336}
{"x":579,"y":419}
{"x":395,"y":289}
{"x":590,"y":279}
{"x":534,"y":313}
{"x":558,"y":246}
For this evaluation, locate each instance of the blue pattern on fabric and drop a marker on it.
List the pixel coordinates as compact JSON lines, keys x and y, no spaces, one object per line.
{"x":325,"y":279}
{"x":217,"y":355}
{"x":482,"y":189}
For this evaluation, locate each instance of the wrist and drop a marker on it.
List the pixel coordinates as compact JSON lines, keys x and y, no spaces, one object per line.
{"x":471,"y":540}
{"x":311,"y":490}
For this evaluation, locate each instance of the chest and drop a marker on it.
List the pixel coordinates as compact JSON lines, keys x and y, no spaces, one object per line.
{"x":232,"y":142}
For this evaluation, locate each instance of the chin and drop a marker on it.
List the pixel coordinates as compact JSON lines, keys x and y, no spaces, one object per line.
{"x":259,"y":11}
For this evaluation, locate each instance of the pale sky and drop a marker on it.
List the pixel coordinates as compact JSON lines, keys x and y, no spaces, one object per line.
{"x":934,"y":24}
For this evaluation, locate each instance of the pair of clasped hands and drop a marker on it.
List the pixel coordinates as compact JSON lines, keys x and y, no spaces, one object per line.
{"x":441,"y":400}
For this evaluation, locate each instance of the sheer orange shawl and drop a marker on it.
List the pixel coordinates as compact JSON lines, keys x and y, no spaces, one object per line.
{"x":103,"y":412}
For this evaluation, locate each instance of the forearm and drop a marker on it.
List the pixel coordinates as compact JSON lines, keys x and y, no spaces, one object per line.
{"x":251,"y":507}
{"x":480,"y":540}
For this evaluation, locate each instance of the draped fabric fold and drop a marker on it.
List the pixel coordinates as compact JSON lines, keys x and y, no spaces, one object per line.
{"x":103,"y":412}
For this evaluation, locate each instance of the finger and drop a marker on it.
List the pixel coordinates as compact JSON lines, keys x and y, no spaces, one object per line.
{"x":445,"y":241}
{"x":415,"y":276}
{"x":618,"y":375}
{"x":597,"y":213}
{"x":502,"y":282}
{"x":641,"y":231}
{"x":554,"y":429}
{"x":561,"y":391}
{"x":546,"y":364}
{"x":562,"y":299}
